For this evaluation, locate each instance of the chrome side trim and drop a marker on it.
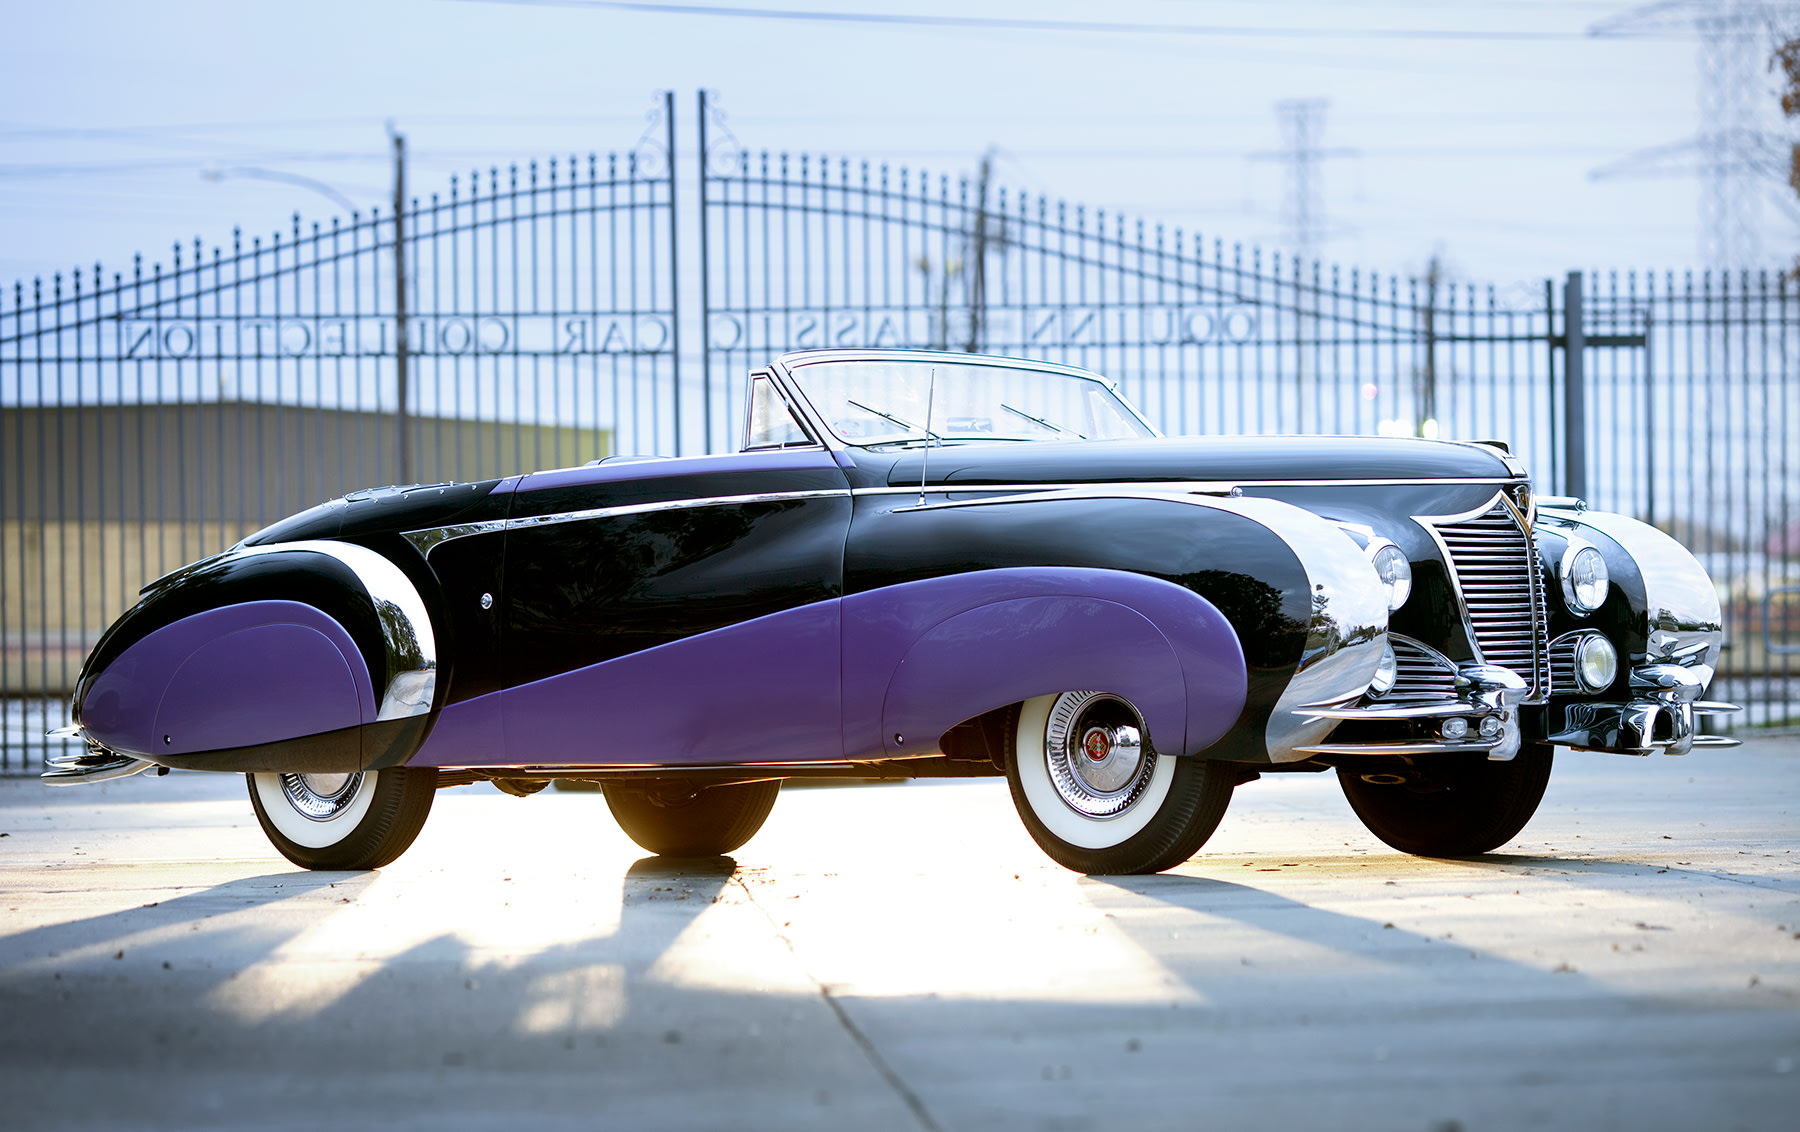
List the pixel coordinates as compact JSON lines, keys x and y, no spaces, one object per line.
{"x":1424,"y":748}
{"x":426,"y":538}
{"x":423,"y":540}
{"x":410,"y":682}
{"x":1209,"y":487}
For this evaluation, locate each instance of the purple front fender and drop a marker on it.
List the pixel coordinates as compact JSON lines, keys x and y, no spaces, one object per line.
{"x":921,"y":657}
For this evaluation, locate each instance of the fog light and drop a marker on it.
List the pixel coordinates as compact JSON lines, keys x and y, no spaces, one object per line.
{"x":1385,"y":673}
{"x":1596,"y":663}
{"x":1490,"y":727}
{"x":1454,"y":728}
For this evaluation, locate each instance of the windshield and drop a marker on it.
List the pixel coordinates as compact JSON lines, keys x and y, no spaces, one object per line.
{"x":868,"y":402}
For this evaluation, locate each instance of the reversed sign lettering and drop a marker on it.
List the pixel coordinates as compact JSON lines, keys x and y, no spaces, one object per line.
{"x":1013,"y":327}
{"x":426,"y":336}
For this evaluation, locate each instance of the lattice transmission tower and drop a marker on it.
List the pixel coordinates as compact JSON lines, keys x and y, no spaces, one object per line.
{"x":1732,"y":155}
{"x":1304,"y":224}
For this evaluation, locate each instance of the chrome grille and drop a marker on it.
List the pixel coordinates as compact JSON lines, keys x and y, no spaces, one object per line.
{"x":1497,"y":570}
{"x":1562,"y":666}
{"x":1422,"y":674}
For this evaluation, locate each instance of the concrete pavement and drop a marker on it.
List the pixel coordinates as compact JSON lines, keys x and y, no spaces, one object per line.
{"x":902,"y":957}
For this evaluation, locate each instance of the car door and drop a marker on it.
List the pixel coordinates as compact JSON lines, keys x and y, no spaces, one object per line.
{"x":677,"y":611}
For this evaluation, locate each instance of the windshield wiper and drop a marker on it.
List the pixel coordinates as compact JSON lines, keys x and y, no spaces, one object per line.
{"x":907,"y":425}
{"x":1037,"y":420}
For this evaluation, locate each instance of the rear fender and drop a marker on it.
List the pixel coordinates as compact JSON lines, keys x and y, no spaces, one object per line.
{"x":262,"y":682}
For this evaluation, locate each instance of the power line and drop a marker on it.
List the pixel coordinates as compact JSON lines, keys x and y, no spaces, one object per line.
{"x":1083,"y":27}
{"x":1730,"y":153}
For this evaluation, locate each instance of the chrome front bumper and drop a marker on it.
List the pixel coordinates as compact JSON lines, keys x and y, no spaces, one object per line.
{"x":95,"y":764}
{"x":1659,"y":717}
{"x":1483,"y":692}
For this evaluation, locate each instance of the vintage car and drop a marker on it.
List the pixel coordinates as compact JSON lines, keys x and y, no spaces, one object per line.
{"x":921,"y":564}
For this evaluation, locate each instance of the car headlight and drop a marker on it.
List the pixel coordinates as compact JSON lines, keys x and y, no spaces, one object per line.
{"x":1386,"y":672}
{"x":1596,"y":662}
{"x":1395,"y":573}
{"x":1585,"y":580}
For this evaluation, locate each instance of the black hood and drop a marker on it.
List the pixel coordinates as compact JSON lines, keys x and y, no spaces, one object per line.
{"x":1231,"y":459}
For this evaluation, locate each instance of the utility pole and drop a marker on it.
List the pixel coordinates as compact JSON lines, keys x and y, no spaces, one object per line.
{"x":402,"y":447}
{"x":978,"y":259}
{"x":1425,"y":393}
{"x":1731,"y":154}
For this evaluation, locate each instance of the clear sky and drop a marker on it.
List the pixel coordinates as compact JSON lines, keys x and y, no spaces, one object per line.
{"x":1473,"y":127}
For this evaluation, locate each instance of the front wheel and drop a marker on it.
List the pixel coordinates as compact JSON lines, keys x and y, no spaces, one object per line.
{"x":1095,"y":795}
{"x":1450,"y":805}
{"x":681,"y":821}
{"x":343,"y":821}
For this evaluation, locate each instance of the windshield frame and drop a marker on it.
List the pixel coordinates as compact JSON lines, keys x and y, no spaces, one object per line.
{"x":783,"y":370}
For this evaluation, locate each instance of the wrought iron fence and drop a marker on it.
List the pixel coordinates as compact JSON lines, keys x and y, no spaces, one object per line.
{"x":532,"y":317}
{"x":524,"y":318}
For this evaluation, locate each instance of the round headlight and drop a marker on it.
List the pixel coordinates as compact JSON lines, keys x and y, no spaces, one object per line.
{"x":1584,"y":579}
{"x":1395,"y":573}
{"x":1596,"y":663}
{"x":1385,"y":673}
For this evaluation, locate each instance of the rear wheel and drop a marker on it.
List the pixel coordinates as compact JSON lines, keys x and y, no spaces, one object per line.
{"x":1450,"y":805}
{"x":343,"y":821}
{"x":1095,"y":795}
{"x":682,"y":821}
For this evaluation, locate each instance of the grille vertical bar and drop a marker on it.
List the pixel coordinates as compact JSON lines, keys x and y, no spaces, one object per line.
{"x":1503,"y":590}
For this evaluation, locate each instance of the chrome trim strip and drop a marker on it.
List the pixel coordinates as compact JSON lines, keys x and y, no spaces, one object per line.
{"x":423,"y":540}
{"x":670,"y":505}
{"x":1440,"y":709}
{"x":92,"y":767}
{"x":410,"y":683}
{"x":1425,"y":748}
{"x":1208,"y":487}
{"x":426,"y":538}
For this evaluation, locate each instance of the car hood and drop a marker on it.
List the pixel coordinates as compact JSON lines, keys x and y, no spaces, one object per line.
{"x":1227,"y":459}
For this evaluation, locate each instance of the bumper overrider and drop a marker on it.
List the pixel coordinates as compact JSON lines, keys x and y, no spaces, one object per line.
{"x":1658,"y":717}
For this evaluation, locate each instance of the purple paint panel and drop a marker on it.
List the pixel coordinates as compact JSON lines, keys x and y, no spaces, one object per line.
{"x":1046,"y":628}
{"x":251,"y":673}
{"x":467,"y":733}
{"x":772,"y":461}
{"x":1010,"y":651}
{"x":762,"y":691}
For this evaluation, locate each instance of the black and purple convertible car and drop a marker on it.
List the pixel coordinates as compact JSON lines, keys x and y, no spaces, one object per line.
{"x":922,"y":565}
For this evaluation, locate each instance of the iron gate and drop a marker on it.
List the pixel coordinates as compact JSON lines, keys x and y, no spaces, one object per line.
{"x":534,"y":317}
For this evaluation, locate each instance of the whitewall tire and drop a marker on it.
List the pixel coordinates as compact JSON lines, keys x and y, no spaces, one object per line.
{"x":1097,"y":797}
{"x":343,"y":821}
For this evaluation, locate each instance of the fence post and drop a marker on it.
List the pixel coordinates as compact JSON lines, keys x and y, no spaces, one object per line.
{"x":403,"y":457}
{"x":675,"y":261}
{"x":1574,"y":391}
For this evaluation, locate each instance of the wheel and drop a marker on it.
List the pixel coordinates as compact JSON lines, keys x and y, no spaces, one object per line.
{"x":681,"y":821}
{"x":1450,"y":806}
{"x":343,"y":821}
{"x":1095,"y":795}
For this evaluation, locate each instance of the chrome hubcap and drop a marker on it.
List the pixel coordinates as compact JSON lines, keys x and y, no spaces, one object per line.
{"x":1095,"y":750}
{"x":321,"y":797}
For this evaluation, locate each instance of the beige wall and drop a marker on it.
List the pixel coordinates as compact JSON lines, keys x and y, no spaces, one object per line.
{"x":62,"y":584}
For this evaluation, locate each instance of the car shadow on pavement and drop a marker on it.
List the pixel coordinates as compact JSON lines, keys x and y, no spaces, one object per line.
{"x":109,"y":934}
{"x":1619,"y":867}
